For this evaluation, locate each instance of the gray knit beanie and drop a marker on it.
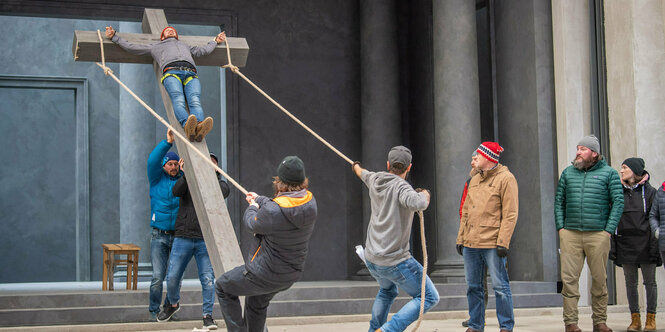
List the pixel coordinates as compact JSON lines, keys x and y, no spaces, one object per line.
{"x":590,"y":142}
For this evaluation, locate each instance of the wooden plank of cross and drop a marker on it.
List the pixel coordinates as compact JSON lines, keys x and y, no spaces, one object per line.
{"x":211,"y":210}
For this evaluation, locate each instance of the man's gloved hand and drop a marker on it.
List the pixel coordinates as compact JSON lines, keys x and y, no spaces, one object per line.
{"x":460,"y":248}
{"x":501,"y":251}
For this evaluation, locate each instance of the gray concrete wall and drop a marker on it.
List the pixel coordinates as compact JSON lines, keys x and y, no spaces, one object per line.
{"x":635,"y":46}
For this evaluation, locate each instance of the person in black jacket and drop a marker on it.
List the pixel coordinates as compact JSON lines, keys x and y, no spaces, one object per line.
{"x":189,"y":243}
{"x":634,"y":244}
{"x":283,"y":226}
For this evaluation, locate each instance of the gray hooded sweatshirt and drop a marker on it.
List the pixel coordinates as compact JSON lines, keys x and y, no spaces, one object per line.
{"x":393,"y":203}
{"x":167,"y":51}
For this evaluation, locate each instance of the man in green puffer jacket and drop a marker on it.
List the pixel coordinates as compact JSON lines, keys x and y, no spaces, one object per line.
{"x":587,"y":208}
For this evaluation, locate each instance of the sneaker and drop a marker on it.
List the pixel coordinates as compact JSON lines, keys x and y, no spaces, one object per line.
{"x":465,"y":323}
{"x":190,"y":127}
{"x":209,"y":323}
{"x":167,"y":313}
{"x":203,"y":128}
{"x":152,"y":317}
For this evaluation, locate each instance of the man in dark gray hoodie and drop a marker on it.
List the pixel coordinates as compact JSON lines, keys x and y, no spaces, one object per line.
{"x":387,"y":255}
{"x":282,"y":226}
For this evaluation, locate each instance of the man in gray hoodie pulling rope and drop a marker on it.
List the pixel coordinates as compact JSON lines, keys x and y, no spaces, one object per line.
{"x":387,"y":255}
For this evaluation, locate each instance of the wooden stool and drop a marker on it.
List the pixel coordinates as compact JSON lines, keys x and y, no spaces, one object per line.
{"x":132,"y":263}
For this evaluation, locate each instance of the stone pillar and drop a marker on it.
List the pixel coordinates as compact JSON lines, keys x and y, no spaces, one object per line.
{"x":635,"y":52}
{"x":137,"y":137}
{"x":381,"y":125}
{"x":457,"y":122}
{"x":572,"y":54}
{"x":525,"y":95}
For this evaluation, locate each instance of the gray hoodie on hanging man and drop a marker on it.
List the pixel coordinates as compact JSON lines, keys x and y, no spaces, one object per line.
{"x":393,"y":202}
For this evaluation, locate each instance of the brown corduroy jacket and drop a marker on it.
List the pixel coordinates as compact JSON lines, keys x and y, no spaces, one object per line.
{"x":490,"y":210}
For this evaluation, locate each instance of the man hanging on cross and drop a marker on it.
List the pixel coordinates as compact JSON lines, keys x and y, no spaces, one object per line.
{"x":175,"y":59}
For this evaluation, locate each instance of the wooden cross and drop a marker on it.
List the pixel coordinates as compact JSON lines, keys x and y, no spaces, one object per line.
{"x":211,"y":211}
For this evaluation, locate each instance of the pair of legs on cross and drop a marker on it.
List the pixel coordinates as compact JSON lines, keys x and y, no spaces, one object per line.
{"x":184,"y":89}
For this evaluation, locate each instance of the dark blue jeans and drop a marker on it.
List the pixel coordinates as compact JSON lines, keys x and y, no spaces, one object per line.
{"x":183,"y":95}
{"x":475,"y":261}
{"x":160,"y":247}
{"x":182,"y":252}
{"x":406,"y":275}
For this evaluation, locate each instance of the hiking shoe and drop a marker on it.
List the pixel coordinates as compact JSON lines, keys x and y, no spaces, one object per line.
{"x":203,"y":128}
{"x":167,"y":313}
{"x":190,"y":127}
{"x":209,"y":323}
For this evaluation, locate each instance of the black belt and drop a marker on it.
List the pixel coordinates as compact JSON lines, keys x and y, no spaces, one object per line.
{"x":163,"y":231}
{"x":180,"y":68}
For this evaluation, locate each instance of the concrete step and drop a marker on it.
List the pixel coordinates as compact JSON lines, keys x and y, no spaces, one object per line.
{"x":303,"y":299}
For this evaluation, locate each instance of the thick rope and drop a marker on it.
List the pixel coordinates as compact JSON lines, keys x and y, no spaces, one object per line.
{"x":424,"y":281}
{"x":108,"y":72}
{"x":237,"y":71}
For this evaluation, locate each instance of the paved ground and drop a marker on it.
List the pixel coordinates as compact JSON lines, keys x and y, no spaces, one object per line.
{"x":527,"y":320}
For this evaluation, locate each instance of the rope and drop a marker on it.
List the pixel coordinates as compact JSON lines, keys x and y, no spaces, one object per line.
{"x":424,"y":281}
{"x":108,"y":72}
{"x":237,"y":71}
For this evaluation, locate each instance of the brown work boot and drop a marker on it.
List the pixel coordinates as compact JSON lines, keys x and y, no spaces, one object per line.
{"x":203,"y":128}
{"x":190,"y":127}
{"x":635,"y":322}
{"x":650,"y":324}
{"x":602,"y":327}
{"x":573,"y":328}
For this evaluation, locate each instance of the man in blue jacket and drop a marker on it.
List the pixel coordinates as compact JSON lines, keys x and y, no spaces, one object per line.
{"x":163,"y":172}
{"x":587,"y":207}
{"x":283,"y":226}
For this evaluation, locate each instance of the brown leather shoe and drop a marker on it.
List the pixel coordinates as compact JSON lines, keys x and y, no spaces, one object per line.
{"x":650,"y":325}
{"x":602,"y":327}
{"x":203,"y":128}
{"x":190,"y":128}
{"x":471,"y":330}
{"x":504,"y":330}
{"x":573,"y":328}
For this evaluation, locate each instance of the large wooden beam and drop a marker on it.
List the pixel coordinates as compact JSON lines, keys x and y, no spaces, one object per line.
{"x":214,"y":218}
{"x":86,"y":48}
{"x":211,"y":210}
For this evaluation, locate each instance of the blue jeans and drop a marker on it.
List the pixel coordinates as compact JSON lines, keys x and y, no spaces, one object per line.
{"x":178,"y":92}
{"x":475,"y":261}
{"x":181,"y":254}
{"x":160,"y":247}
{"x":406,"y":275}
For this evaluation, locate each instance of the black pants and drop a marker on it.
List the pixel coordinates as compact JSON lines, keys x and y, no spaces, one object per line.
{"x":257,"y":292}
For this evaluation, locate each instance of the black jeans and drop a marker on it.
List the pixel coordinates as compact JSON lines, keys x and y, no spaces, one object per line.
{"x":649,"y":277}
{"x":240,"y":282}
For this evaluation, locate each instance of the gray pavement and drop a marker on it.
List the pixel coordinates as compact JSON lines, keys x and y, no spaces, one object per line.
{"x":527,"y":320}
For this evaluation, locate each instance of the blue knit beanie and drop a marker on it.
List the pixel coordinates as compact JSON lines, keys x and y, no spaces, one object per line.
{"x":170,"y":156}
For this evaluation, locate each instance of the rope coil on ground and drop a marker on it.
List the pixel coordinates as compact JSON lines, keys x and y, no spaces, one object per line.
{"x":108,"y":72}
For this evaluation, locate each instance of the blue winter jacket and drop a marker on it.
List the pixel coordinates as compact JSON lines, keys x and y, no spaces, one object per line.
{"x":163,"y":204}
